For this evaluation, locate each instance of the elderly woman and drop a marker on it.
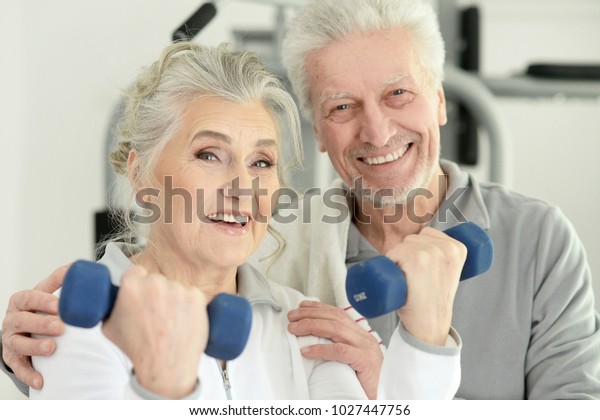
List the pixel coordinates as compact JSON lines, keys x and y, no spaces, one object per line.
{"x":201,"y":146}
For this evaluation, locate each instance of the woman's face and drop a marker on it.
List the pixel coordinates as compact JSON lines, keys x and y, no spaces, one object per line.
{"x":217,"y":176}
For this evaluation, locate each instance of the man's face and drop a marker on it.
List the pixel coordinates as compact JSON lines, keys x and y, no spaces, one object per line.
{"x":375,"y":113}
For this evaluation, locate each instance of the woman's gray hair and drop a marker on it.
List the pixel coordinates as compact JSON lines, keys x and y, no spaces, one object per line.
{"x":324,"y":21}
{"x":186,"y":72}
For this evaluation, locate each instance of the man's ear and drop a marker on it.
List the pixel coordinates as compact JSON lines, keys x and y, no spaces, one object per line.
{"x":442,"y":116}
{"x":320,"y":143}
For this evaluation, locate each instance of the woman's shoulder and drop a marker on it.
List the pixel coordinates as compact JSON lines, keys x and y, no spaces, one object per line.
{"x":253,"y":285}
{"x":291,"y":297}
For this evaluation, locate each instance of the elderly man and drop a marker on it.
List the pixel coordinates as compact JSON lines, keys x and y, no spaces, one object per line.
{"x":368,"y":75}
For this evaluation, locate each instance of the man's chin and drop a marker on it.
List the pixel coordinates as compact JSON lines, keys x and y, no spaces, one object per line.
{"x":382,"y":196}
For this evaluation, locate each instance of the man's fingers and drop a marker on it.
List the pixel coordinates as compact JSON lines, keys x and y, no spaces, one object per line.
{"x":326,"y":321}
{"x":313,"y":304}
{"x":317,"y":310}
{"x":34,"y":300}
{"x":335,"y":351}
{"x":339,"y":331}
{"x":27,"y":322}
{"x":51,"y":283}
{"x":317,"y":327}
{"x":25,"y":373}
{"x":27,"y":346}
{"x":33,"y":378}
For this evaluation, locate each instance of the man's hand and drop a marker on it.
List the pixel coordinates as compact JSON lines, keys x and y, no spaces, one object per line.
{"x":431,"y":262}
{"x":351,"y":343}
{"x":21,"y":321}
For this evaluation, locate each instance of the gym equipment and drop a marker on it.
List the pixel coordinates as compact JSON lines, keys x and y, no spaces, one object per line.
{"x":88,"y":296}
{"x":377,"y":286}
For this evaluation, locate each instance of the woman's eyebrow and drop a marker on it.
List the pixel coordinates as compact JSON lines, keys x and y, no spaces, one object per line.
{"x":265,"y":143}
{"x":212,"y":134}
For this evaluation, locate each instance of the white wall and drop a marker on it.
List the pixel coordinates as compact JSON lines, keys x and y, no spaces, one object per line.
{"x":64,"y":61}
{"x":556,"y":142}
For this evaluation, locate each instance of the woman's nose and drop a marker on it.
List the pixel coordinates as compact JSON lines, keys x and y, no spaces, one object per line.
{"x":242,"y":186}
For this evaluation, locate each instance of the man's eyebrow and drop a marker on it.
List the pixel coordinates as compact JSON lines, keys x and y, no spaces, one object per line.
{"x":399,"y":78}
{"x":345,"y":95}
{"x":339,"y":95}
{"x":213,"y":134}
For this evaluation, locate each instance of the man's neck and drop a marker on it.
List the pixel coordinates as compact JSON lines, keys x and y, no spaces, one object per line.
{"x":385,"y":227}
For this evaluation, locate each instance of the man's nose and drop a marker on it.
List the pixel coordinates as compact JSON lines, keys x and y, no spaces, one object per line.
{"x":377,"y":126}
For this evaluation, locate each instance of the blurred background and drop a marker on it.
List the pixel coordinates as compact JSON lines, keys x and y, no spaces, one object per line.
{"x":64,"y":62}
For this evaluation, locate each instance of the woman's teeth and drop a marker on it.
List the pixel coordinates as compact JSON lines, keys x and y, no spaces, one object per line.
{"x":390,"y":157}
{"x":229,"y":218}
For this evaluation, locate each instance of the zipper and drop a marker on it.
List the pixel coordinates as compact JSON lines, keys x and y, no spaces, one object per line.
{"x":226,"y":382}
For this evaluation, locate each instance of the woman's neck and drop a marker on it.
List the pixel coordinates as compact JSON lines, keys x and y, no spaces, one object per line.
{"x":209,"y":278}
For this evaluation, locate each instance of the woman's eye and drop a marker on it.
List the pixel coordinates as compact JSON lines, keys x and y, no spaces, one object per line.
{"x":263,"y":163}
{"x":206,"y":156}
{"x":398,"y":91}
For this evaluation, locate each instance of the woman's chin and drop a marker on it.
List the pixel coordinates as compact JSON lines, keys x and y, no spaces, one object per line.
{"x":229,"y":257}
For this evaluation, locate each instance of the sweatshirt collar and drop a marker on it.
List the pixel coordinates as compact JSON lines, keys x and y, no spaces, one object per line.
{"x":464,"y":200}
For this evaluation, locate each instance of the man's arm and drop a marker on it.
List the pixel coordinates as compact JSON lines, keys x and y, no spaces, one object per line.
{"x":415,"y":370}
{"x":21,"y":320}
{"x":431,"y":262}
{"x":563,"y":359}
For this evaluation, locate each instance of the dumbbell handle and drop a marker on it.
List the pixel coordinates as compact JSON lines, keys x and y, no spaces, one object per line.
{"x":377,"y":286}
{"x":88,"y":296}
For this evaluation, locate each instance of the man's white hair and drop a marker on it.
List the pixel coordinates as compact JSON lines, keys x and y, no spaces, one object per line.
{"x":324,"y":21}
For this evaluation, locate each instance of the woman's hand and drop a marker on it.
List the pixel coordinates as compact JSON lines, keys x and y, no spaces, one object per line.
{"x":162,"y":326}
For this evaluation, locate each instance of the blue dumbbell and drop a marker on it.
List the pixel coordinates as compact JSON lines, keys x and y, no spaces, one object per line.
{"x":377,"y":286}
{"x":88,"y":296}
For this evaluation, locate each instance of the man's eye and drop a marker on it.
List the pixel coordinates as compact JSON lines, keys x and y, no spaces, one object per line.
{"x":341,"y":107}
{"x":398,"y":91}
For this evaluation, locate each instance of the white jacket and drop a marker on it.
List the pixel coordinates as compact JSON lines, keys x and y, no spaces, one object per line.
{"x":86,"y":365}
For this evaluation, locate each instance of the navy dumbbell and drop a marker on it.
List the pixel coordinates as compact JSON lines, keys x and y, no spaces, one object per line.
{"x":88,"y":296}
{"x":377,"y":286}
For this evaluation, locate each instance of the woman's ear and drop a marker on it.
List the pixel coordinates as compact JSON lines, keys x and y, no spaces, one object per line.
{"x":133,"y":167}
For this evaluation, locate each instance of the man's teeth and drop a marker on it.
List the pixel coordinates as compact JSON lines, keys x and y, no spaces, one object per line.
{"x":230,"y":218}
{"x":390,"y":157}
